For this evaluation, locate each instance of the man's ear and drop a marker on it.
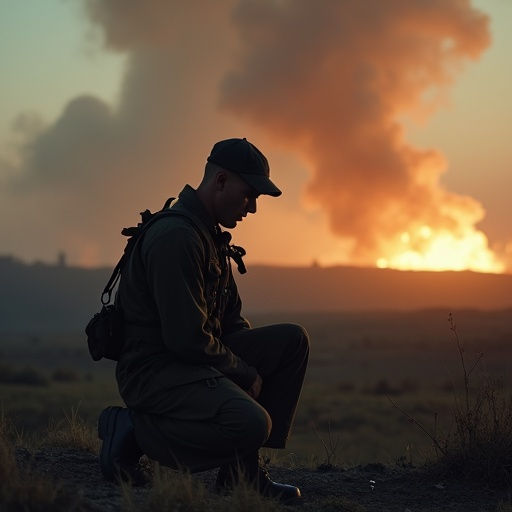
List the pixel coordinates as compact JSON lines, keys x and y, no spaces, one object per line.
{"x":220,"y":180}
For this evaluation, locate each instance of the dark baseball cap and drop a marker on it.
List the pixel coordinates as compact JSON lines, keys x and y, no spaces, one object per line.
{"x":242,"y":157}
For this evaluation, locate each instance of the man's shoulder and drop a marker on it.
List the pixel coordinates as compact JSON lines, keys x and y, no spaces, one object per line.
{"x":179,"y":226}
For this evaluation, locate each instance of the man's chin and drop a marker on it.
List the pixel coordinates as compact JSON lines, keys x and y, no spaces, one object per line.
{"x":229,"y":225}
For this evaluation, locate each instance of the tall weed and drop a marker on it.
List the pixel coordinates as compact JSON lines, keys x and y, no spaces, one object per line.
{"x":479,"y":444}
{"x":480,"y":447}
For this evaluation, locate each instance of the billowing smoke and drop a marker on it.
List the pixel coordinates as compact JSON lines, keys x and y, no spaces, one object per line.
{"x":332,"y":80}
{"x":328,"y":81}
{"x":76,"y":182}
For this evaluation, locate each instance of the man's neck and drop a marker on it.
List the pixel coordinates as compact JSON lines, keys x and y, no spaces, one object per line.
{"x":207,"y":198}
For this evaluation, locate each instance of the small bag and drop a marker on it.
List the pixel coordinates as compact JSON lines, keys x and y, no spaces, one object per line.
{"x":105,"y":333}
{"x":105,"y":329}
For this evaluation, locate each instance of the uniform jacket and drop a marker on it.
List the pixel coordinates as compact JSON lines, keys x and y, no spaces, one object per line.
{"x":179,"y":298}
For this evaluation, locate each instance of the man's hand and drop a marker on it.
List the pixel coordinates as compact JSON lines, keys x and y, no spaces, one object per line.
{"x":255,"y":390}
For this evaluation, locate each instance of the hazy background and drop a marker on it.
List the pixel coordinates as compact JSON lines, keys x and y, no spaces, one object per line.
{"x":386,"y":124}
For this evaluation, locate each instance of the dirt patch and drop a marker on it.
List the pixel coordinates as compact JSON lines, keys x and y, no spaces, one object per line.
{"x":370,"y":488}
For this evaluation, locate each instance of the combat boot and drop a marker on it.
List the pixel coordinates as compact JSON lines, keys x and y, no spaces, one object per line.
{"x":249,"y":469}
{"x":120,"y":454}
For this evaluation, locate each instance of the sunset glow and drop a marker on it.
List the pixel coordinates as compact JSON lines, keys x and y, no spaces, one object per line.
{"x":441,"y":250}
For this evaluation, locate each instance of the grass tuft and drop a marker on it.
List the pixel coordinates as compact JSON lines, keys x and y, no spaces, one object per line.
{"x":245,"y":498}
{"x":73,"y":432}
{"x":171,"y":491}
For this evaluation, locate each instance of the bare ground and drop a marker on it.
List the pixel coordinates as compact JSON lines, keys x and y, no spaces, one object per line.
{"x":370,"y":488}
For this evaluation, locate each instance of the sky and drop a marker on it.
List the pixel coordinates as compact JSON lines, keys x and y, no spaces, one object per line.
{"x":386,"y":124}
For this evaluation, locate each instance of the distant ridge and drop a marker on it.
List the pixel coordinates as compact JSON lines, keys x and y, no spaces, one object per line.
{"x":266,"y":288}
{"x":59,"y":297}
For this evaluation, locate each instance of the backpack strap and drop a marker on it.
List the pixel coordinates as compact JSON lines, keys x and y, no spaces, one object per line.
{"x":135,"y":233}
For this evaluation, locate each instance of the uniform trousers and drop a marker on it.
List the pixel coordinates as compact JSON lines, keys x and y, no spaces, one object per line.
{"x":206,"y":424}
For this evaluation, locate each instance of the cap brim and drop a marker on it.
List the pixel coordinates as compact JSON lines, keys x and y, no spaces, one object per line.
{"x":261,"y":184}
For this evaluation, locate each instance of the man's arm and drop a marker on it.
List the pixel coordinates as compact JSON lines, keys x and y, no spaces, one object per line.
{"x":175,"y":266}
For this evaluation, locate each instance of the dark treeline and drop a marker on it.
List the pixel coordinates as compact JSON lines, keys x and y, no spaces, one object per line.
{"x":58,"y":297}
{"x":51,"y":297}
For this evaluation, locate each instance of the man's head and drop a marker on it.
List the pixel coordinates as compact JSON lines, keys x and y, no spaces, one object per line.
{"x":236,"y":174}
{"x":246,"y":160}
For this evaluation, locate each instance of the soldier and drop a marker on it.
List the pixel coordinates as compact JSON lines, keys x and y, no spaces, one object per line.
{"x":203,"y":389}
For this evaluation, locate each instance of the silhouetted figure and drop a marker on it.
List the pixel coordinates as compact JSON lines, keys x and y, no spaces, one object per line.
{"x":202,"y":388}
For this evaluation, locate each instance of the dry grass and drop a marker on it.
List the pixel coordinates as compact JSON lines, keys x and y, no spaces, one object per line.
{"x":73,"y":432}
{"x":479,"y":445}
{"x":171,"y":491}
{"x":174,"y":491}
{"x":21,"y":489}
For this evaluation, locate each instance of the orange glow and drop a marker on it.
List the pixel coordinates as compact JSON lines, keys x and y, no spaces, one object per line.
{"x":427,"y":249}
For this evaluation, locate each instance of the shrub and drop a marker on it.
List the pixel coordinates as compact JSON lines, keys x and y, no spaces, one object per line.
{"x":409,"y":386}
{"x":382,"y":387}
{"x":65,"y":375}
{"x":25,"y":376}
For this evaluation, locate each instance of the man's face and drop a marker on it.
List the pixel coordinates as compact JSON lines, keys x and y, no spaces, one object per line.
{"x":236,"y":199}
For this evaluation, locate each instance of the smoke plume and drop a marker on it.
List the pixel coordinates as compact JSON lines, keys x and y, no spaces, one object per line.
{"x":332,"y":81}
{"x":329,"y":81}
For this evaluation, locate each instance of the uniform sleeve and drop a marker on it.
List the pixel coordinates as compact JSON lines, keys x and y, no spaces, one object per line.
{"x":175,"y":267}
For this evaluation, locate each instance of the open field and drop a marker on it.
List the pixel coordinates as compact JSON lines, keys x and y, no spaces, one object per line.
{"x":357,"y":361}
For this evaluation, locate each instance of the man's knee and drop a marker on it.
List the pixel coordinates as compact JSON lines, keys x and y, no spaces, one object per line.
{"x":260,"y":424}
{"x":301,"y":334}
{"x":298,"y":338}
{"x":250,"y":425}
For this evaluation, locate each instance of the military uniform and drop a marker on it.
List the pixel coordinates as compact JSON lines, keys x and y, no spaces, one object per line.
{"x":189,"y":355}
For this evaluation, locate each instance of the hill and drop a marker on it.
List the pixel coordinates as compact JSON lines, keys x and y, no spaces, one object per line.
{"x":265,"y":289}
{"x":58,"y":297}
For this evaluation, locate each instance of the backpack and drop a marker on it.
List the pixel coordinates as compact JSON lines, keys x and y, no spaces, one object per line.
{"x":105,"y":329}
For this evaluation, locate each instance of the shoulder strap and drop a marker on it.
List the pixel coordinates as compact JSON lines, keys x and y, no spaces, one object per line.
{"x":135,"y":233}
